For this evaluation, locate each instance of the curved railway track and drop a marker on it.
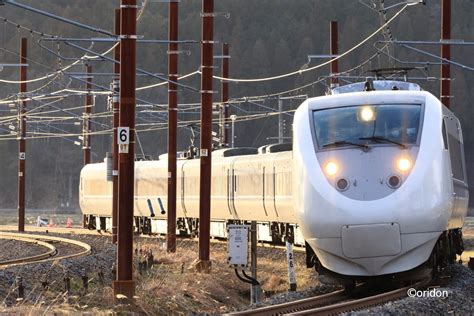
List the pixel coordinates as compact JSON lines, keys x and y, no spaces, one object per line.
{"x":332,"y":303}
{"x":49,"y":242}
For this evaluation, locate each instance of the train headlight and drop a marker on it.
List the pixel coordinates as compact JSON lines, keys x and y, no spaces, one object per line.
{"x":404,"y":164}
{"x":331,"y":168}
{"x":367,"y":114}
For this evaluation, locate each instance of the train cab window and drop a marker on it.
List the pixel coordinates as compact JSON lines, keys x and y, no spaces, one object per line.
{"x":386,"y":124}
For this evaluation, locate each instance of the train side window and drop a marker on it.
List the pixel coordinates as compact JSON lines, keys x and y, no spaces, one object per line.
{"x":455,"y":151}
{"x":445,"y":140}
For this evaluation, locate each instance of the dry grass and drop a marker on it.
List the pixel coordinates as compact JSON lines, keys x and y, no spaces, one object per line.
{"x":174,"y":287}
{"x":171,"y":287}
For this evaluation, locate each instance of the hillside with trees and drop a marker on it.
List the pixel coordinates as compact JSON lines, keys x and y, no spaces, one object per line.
{"x":266,"y":38}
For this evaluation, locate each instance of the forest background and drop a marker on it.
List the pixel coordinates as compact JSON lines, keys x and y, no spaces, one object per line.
{"x":266,"y":38}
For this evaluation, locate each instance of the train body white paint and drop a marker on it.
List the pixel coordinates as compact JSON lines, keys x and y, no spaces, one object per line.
{"x":369,"y":218}
{"x":365,"y":225}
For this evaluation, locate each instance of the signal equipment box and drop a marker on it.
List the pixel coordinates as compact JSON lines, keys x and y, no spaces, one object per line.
{"x":238,"y":246}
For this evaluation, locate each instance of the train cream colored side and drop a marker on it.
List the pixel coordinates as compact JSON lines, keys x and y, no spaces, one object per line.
{"x":152,"y":184}
{"x":188,"y":188}
{"x":95,"y":192}
{"x":262,"y":187}
{"x":251,"y":187}
{"x":283,"y":164}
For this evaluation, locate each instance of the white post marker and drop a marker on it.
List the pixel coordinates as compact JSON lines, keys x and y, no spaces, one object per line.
{"x":291,"y":266}
{"x":123,"y":139}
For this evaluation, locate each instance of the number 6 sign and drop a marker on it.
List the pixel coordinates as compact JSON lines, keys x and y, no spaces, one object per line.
{"x":123,"y":135}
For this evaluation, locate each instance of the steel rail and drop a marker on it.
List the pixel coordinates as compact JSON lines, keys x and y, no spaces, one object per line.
{"x":309,"y":306}
{"x":86,"y":248}
{"x":292,"y":307}
{"x":362,"y":303}
{"x":52,"y":250}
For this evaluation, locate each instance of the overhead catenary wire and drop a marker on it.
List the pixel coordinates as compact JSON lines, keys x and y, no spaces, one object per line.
{"x":282,"y":93}
{"x":301,"y":71}
{"x":156,"y":127}
{"x":85,"y":56}
{"x":235,"y":101}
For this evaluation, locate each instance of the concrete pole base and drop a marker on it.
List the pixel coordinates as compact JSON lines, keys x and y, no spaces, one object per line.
{"x":203,"y":266}
{"x":125,"y":288}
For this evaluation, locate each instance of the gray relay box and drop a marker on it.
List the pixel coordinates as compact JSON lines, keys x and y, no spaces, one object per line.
{"x":238,"y":245}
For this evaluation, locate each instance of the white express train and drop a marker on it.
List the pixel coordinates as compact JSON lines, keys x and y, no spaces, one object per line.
{"x":375,"y":184}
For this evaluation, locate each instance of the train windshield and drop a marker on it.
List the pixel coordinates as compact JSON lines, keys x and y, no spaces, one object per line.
{"x":393,"y":124}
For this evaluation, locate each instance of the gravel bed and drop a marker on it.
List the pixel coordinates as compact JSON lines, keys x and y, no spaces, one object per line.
{"x":14,"y":249}
{"x":54,"y":273}
{"x":293,"y":296}
{"x":173,"y":286}
{"x":459,"y":300}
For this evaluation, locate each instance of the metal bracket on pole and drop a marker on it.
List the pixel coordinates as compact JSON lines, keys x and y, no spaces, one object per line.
{"x":214,"y":14}
{"x":130,"y":37}
{"x":129,"y":6}
{"x":221,"y":56}
{"x":177,"y":52}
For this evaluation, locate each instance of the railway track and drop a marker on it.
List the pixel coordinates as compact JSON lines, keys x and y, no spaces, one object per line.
{"x":332,"y":303}
{"x":58,"y":248}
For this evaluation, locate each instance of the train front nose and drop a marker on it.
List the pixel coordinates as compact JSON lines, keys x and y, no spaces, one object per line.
{"x":365,"y":204}
{"x":356,"y":213}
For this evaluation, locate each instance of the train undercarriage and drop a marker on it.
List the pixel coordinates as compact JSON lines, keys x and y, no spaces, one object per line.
{"x":269,"y":232}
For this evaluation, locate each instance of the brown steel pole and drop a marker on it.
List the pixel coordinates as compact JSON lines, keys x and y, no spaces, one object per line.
{"x":445,"y":89}
{"x":172,"y":123}
{"x":115,"y":105}
{"x":21,"y":137}
{"x":224,"y":113}
{"x":86,"y":130}
{"x":204,"y":264}
{"x":86,"y":139}
{"x":124,"y":284}
{"x":334,"y":51}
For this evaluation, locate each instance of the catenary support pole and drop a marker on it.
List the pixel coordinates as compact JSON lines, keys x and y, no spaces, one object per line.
{"x":115,"y":105}
{"x":445,"y":89}
{"x":86,"y":123}
{"x":21,"y":137}
{"x":86,"y":129}
{"x":333,"y":33}
{"x":172,"y":123}
{"x":125,"y":284}
{"x":204,"y":264}
{"x":224,"y":112}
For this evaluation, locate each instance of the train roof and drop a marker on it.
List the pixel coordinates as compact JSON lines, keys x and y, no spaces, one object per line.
{"x":377,"y":85}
